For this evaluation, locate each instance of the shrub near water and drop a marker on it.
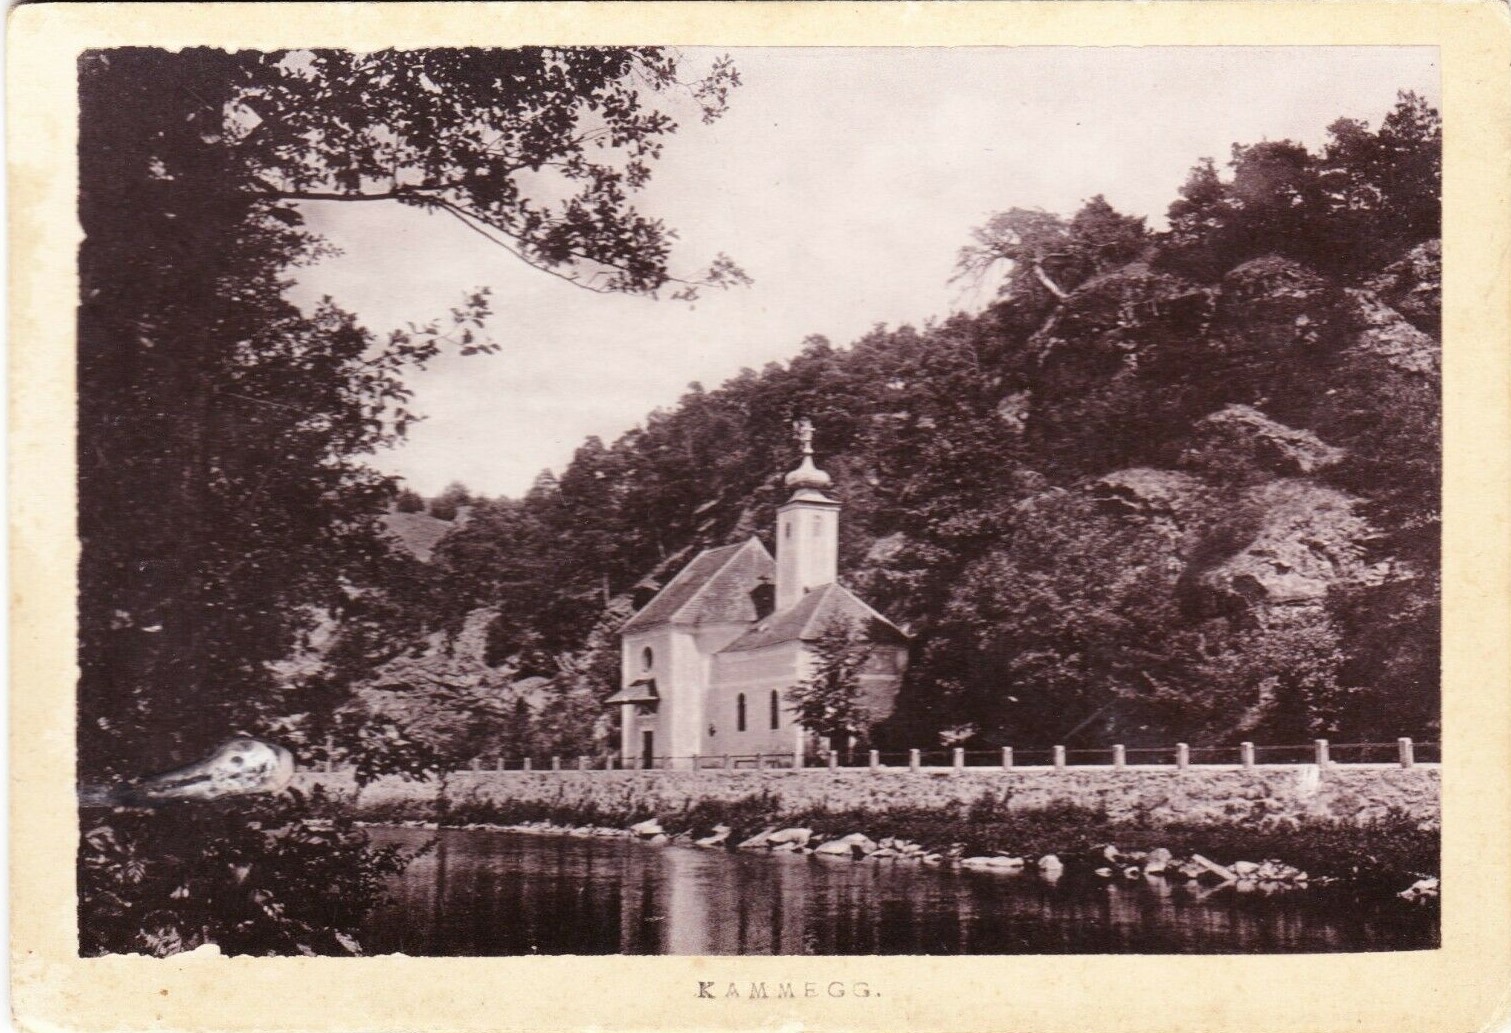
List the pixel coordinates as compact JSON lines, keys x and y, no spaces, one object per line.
{"x":288,"y":874}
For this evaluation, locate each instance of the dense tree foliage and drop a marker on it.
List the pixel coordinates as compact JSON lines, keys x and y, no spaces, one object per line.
{"x":1176,"y":485}
{"x":224,"y":503}
{"x":272,"y":875}
{"x":828,"y":701}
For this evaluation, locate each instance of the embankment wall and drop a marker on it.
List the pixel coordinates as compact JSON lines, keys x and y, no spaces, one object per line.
{"x":1353,"y":793}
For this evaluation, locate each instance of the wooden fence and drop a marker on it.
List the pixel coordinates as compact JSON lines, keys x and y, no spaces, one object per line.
{"x":1404,"y":753}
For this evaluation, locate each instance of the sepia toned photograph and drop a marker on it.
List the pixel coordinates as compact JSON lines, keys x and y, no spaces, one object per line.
{"x":697,"y":501}
{"x":728,"y":516}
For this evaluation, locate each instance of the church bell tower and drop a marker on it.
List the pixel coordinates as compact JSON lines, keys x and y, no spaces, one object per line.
{"x":807,"y":529}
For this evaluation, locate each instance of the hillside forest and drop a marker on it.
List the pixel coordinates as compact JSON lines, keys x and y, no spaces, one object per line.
{"x":1168,"y":486}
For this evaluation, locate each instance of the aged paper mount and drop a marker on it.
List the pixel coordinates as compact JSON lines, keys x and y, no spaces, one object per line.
{"x":1461,"y":987}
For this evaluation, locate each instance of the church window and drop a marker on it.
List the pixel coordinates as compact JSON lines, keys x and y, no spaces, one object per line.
{"x":776,"y":709}
{"x":787,"y":529}
{"x":647,"y":658}
{"x":740,"y":713}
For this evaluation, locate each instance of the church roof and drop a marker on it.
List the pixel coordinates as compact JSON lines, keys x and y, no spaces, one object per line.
{"x":642,"y":690}
{"x":713,"y":588}
{"x":812,"y":615}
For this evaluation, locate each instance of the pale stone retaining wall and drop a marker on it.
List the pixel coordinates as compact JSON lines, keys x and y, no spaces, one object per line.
{"x":1352,"y":793}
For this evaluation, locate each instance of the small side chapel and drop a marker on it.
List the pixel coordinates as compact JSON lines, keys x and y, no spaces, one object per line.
{"x":707,"y":664}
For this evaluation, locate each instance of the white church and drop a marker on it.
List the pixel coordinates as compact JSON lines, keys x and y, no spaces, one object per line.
{"x":708,"y":662}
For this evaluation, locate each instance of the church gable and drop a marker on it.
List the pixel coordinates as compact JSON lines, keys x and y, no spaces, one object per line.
{"x":714,"y":588}
{"x":813,"y":615}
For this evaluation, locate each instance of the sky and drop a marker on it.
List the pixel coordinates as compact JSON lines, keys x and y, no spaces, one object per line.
{"x":844,"y":182}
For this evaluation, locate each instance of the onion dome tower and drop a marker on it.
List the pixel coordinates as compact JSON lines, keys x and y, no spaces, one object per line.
{"x":807,"y":531}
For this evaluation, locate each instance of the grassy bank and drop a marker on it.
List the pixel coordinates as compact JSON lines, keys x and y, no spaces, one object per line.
{"x":1387,"y":854}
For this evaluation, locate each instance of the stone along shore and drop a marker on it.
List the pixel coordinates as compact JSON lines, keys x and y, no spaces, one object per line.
{"x":1374,"y":826}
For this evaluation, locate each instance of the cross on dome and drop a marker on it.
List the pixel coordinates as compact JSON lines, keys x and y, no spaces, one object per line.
{"x":806,"y":475}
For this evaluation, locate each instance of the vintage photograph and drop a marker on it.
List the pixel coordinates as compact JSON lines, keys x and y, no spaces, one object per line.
{"x":759,"y":500}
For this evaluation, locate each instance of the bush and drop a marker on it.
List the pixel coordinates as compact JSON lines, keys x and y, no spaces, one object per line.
{"x":409,"y":502}
{"x":281,"y":875}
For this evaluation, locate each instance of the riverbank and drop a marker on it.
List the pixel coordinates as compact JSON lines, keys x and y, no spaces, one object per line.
{"x":1208,"y":795}
{"x":1384,"y":855}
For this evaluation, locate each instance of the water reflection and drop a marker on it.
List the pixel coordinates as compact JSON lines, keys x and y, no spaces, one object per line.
{"x":488,"y":893}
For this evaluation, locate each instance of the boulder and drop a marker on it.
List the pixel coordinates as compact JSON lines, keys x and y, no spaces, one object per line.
{"x":646,"y":829}
{"x":1011,"y":864}
{"x":796,"y":836}
{"x":1244,"y":869}
{"x":759,"y":841}
{"x":855,"y":844}
{"x":1050,"y":863}
{"x":1158,"y":860}
{"x":1213,"y":868}
{"x":1422,"y":889}
{"x":719,"y":838}
{"x":659,"y":839}
{"x":1105,"y":873}
{"x":785,"y":848}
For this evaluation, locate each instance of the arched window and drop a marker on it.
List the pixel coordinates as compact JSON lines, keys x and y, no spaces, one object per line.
{"x":776,"y":709}
{"x":740,"y":713}
{"x":647,"y":658}
{"x":787,"y":529}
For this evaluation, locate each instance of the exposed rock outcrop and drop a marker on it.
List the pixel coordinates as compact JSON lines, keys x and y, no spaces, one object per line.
{"x":1274,"y":304}
{"x":1413,"y":286}
{"x":1385,"y":332}
{"x":1164,"y":497}
{"x":1310,"y":537}
{"x":1240,"y":439}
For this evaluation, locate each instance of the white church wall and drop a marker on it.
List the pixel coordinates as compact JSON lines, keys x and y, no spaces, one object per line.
{"x":755,"y":674}
{"x":632,"y":667}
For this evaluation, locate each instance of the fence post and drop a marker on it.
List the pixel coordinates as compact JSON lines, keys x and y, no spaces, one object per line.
{"x":1119,"y":757}
{"x":726,"y":762}
{"x":873,"y":760}
{"x":555,"y":763}
{"x":1246,"y":755}
{"x":958,"y":759}
{"x":1321,"y":745}
{"x":1007,"y":758}
{"x":1408,"y":757}
{"x":1059,"y":757}
{"x":1182,"y":755}
{"x":527,"y":765}
{"x":760,"y":762}
{"x":475,"y":763}
{"x":914,"y":762}
{"x":582,"y":763}
{"x":833,"y":759}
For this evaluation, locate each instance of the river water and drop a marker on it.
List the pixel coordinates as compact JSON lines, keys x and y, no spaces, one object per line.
{"x":485,"y":893}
